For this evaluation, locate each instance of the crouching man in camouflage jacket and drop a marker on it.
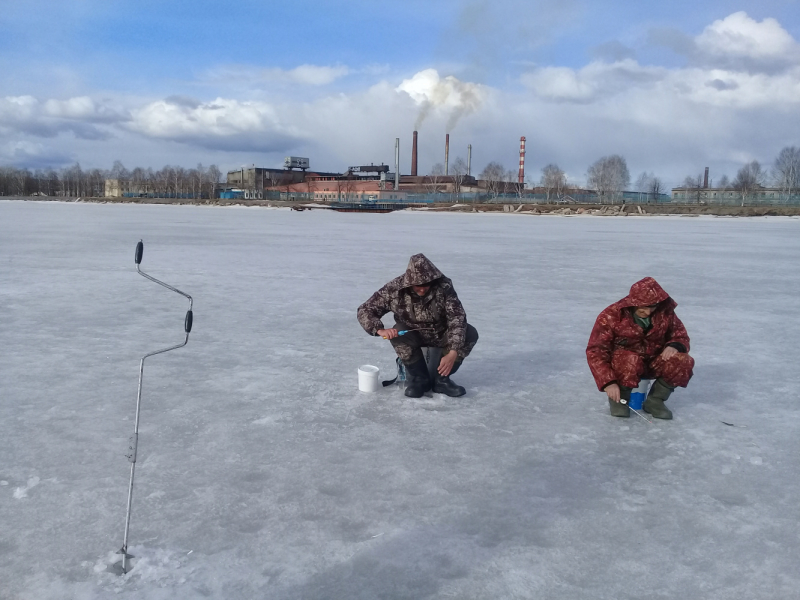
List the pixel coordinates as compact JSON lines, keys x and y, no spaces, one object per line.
{"x":425,"y":304}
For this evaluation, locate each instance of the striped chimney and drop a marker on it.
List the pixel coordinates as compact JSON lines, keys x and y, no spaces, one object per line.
{"x":522,"y":160}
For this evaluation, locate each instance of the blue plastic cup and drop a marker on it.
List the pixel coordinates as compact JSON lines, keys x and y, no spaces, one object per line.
{"x":639,"y":394}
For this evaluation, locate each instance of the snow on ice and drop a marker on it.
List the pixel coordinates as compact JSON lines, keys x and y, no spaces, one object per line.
{"x":264,"y":473}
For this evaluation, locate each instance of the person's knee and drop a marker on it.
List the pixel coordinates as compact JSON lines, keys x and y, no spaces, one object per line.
{"x":470,"y":339}
{"x":406,"y":353}
{"x":677,"y":370}
{"x":628,"y":367}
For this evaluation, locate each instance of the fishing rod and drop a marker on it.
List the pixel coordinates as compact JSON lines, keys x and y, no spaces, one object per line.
{"x":405,"y":331}
{"x":623,"y":401}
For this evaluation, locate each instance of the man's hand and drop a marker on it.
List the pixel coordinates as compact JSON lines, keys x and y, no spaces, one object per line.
{"x":669,"y":352}
{"x":447,"y":362}
{"x":612,"y":389}
{"x":387,"y":334}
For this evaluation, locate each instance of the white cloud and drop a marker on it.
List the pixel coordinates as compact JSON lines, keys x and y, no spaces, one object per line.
{"x":315,"y":75}
{"x":597,"y":82}
{"x":737,"y":43}
{"x":81,"y":115}
{"x":560,"y":83}
{"x":738,"y":35}
{"x":223,"y":123}
{"x":303,"y":75}
{"x":82,"y":108}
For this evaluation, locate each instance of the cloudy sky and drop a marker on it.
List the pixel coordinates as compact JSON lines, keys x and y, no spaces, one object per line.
{"x":671,"y":86}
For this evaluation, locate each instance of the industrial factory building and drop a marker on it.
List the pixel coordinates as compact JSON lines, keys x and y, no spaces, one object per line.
{"x":357,"y":183}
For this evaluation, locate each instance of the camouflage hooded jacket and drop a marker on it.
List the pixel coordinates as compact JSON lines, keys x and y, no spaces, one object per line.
{"x":615,"y":329}
{"x":439,"y":308}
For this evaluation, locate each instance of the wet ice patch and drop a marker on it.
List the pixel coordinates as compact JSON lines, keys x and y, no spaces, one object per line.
{"x":160,"y":566}
{"x":22,"y":492}
{"x":268,"y":420}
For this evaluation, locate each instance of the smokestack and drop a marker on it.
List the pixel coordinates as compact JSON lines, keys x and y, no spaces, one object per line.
{"x":414,"y":155}
{"x":446,"y":152}
{"x":469,"y":160}
{"x":705,"y":179}
{"x":396,"y":164}
{"x":522,"y":160}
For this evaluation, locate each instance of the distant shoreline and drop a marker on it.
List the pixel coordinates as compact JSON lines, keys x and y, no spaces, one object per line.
{"x":527,"y":209}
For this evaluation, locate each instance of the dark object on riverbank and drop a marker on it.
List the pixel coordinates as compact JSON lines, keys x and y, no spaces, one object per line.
{"x":368,"y":207}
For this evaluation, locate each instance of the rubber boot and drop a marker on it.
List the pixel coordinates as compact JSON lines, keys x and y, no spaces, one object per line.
{"x":654,"y":404}
{"x":443,"y":385}
{"x":417,"y":379}
{"x":618,"y":409}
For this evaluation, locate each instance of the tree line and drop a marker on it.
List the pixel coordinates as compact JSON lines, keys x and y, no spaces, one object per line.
{"x":751,"y":178}
{"x":608,"y":177}
{"x":76,"y":182}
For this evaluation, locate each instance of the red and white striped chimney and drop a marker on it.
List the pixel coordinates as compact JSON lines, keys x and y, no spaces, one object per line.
{"x":522,"y":160}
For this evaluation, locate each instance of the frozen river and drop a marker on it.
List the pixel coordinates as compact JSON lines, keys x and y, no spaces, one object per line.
{"x":264,"y":473}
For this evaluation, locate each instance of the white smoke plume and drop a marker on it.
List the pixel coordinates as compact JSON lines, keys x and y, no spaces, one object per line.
{"x":452,"y":96}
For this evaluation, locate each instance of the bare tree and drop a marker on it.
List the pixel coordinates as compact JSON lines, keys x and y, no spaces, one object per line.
{"x":609,"y":177}
{"x":433,"y":181}
{"x":213,"y":176}
{"x":656,"y":188}
{"x":643,"y":183}
{"x":694,"y":188}
{"x":553,"y":180}
{"x":749,"y":179}
{"x":493,"y":174}
{"x":459,"y":172}
{"x":786,"y":171}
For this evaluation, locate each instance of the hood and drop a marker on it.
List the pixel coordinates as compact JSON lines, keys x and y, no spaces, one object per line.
{"x":646,"y":293}
{"x":420,"y":271}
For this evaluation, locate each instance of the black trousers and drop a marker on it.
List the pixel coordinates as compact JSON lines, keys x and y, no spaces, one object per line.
{"x":408,"y":346}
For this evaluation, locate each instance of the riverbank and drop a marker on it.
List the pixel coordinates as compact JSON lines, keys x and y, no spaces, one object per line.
{"x":523,"y":208}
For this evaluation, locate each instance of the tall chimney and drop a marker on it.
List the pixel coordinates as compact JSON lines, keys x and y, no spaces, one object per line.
{"x":414,"y":155}
{"x":469,"y":160}
{"x":522,"y":160}
{"x":705,"y":179}
{"x":396,"y":164}
{"x":446,"y":152}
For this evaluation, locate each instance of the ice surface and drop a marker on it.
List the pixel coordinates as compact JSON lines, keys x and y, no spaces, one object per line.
{"x":264,"y":473}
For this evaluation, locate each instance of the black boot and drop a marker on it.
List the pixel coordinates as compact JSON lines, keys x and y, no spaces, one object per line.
{"x":654,"y":404}
{"x":417,"y":379}
{"x":618,"y":409}
{"x":443,"y":385}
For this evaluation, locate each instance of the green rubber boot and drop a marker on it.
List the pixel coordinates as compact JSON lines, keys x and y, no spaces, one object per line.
{"x":654,"y":404}
{"x":618,"y":409}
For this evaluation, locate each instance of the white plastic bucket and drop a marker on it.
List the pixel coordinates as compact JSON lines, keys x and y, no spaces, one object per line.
{"x":368,"y":378}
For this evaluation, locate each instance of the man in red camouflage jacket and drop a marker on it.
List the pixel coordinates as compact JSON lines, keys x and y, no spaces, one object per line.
{"x":640,"y":337}
{"x":425,"y":303}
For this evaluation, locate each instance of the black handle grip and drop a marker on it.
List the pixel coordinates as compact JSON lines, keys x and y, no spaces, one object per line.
{"x":187,"y":324}
{"x":139,"y":252}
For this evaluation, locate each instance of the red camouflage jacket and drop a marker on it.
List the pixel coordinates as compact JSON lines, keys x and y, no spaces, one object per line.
{"x":615,"y":329}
